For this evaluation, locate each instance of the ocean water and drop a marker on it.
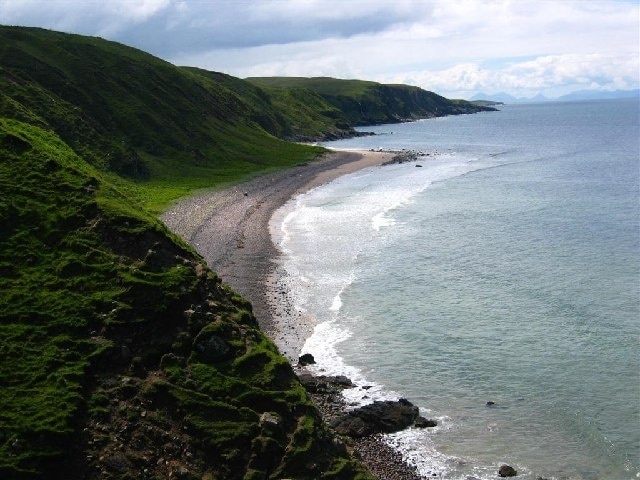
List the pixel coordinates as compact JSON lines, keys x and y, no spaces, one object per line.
{"x":505,"y":269}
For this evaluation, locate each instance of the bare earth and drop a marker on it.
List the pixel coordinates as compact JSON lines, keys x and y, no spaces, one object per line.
{"x":230,"y":229}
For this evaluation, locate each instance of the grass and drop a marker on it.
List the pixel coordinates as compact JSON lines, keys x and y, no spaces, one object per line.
{"x":161,"y":131}
{"x":365,"y":103}
{"x":96,"y":290}
{"x":121,"y":354}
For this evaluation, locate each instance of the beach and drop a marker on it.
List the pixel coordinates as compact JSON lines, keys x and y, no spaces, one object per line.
{"x":230,"y":228}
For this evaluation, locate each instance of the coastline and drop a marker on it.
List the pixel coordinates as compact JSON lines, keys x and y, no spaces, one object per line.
{"x":230,"y":228}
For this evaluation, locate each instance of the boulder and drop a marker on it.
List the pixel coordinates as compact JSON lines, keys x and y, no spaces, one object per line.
{"x":507,"y":471}
{"x":323,"y":383}
{"x":422,"y":422}
{"x":378,"y":417}
{"x":306,"y":359}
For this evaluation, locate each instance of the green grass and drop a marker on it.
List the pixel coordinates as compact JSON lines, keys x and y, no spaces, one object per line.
{"x":162,"y":131}
{"x":87,"y":272}
{"x":106,"y":315}
{"x":321,"y":85}
{"x":365,"y":103}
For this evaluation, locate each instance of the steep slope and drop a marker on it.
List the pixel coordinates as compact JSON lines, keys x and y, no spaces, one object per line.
{"x":127,"y":112}
{"x":368,"y":103}
{"x":290,"y":113}
{"x":121,"y":354}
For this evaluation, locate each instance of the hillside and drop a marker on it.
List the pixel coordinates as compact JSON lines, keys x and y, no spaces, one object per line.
{"x":121,"y":354}
{"x":170,"y":129}
{"x":368,"y":103}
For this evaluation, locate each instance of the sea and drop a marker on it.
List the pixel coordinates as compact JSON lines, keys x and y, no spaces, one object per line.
{"x":494,"y":282}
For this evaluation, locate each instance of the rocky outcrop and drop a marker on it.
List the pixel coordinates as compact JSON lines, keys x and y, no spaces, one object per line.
{"x":378,"y":417}
{"x":422,"y":422}
{"x":306,"y":359}
{"x":324,"y":384}
{"x":507,"y":471}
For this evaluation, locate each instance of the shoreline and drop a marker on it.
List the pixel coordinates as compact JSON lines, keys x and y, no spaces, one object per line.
{"x":230,"y":228}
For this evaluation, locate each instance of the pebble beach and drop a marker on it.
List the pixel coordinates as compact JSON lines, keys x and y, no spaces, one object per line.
{"x":230,"y":229}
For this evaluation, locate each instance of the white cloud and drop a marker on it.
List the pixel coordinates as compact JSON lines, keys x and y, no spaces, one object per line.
{"x":553,"y":75}
{"x":450,"y":45}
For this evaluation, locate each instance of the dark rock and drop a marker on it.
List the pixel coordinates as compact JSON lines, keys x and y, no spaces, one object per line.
{"x":378,"y":417}
{"x":507,"y":471}
{"x":212,"y":348}
{"x":306,"y":359}
{"x":422,"y":422}
{"x":137,"y":367}
{"x":308,"y":381}
{"x":490,"y":404}
{"x":340,"y":381}
{"x":324,"y":384}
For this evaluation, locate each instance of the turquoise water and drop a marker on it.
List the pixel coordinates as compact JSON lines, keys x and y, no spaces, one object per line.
{"x":506,"y":269}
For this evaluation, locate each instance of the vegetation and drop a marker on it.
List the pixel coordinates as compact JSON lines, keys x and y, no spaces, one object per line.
{"x":367,"y":103}
{"x":163,"y":131}
{"x":121,"y":354}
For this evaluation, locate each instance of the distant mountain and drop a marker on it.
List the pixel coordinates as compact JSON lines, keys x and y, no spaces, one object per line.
{"x":599,"y":94}
{"x":503,"y":97}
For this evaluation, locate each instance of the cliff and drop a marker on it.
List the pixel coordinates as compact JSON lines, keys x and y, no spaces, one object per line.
{"x":121,"y":354}
{"x":368,"y":103}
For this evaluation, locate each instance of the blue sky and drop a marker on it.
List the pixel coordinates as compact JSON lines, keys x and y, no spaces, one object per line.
{"x":454,"y":47}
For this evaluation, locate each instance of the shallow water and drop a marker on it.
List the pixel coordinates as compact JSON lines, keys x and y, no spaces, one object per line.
{"x":505,"y":269}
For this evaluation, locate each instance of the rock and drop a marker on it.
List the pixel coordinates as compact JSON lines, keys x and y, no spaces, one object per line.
{"x":490,"y":404}
{"x":306,"y":359}
{"x":269,"y":418}
{"x":212,"y":349}
{"x":340,"y":381}
{"x":379,"y":417}
{"x":507,"y":471}
{"x":422,"y":422}
{"x":309,"y":382}
{"x":324,"y":384}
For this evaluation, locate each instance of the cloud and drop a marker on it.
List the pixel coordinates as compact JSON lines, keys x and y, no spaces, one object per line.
{"x":552,"y":74}
{"x":455,"y":46}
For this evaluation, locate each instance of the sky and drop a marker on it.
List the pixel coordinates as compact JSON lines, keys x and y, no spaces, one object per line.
{"x":456,"y":48}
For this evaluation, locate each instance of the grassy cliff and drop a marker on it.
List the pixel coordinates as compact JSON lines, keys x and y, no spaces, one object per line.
{"x":121,"y":354}
{"x":367,"y":103}
{"x":165,"y":130}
